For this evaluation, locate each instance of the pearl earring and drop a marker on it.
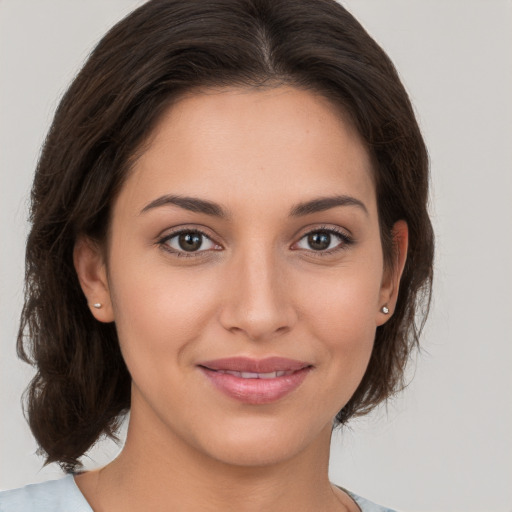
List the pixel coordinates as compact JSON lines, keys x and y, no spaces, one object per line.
{"x":97,"y":305}
{"x":385,"y":309}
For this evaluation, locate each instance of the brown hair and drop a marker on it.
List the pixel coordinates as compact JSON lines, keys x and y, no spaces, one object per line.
{"x":162,"y":49}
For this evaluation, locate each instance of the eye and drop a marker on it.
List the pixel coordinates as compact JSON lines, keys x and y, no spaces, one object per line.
{"x":187,"y":242}
{"x":324,"y":241}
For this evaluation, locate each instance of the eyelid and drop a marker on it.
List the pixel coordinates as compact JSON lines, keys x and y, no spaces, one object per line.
{"x":162,"y":242}
{"x":346,"y":239}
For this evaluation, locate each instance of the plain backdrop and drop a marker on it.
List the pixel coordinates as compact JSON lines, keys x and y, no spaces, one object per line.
{"x":445,"y":444}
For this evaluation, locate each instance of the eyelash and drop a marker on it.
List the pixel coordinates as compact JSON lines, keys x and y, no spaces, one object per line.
{"x":345,"y":241}
{"x":182,"y":254}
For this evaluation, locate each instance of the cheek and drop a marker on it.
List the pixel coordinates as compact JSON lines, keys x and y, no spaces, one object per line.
{"x":343,"y":303}
{"x":159,"y":312}
{"x":341,"y":313}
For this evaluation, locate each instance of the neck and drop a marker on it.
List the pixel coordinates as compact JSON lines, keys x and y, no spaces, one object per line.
{"x":157,"y":471}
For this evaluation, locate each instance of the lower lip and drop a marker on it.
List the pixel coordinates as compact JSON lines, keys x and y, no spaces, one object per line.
{"x":256,"y":391}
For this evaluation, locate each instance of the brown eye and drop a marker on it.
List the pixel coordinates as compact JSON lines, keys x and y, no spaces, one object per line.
{"x":189,"y":241}
{"x":319,"y":241}
{"x":324,"y":241}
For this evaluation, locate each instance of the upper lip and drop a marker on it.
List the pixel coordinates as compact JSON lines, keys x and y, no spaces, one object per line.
{"x":246,"y":364}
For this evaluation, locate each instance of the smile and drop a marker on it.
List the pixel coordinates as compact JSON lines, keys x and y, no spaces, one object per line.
{"x":251,"y":375}
{"x":254,"y":381}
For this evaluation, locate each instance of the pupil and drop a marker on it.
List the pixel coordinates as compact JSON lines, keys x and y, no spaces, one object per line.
{"x":319,"y":241}
{"x":190,"y":241}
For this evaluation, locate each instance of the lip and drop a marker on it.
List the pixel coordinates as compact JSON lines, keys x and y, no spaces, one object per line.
{"x":257,"y":389}
{"x":247,"y":364}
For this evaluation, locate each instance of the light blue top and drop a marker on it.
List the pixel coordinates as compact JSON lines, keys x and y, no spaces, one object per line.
{"x":63,"y":495}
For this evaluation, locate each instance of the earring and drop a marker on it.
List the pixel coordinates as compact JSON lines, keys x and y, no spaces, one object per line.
{"x":384,"y":310}
{"x":97,"y":305}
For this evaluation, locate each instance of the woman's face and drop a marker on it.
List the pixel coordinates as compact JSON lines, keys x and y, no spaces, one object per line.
{"x":245,"y":242}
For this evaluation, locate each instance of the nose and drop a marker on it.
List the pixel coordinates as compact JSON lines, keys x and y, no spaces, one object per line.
{"x":258,"y":298}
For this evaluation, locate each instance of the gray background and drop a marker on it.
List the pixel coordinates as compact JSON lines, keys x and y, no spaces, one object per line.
{"x":445,"y":443}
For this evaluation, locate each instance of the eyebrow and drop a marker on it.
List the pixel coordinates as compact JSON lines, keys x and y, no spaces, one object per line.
{"x":192,"y":204}
{"x":325,"y":203}
{"x":206,"y":207}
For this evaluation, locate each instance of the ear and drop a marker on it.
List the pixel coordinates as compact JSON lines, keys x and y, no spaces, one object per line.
{"x":91,"y":269}
{"x":391,"y":279}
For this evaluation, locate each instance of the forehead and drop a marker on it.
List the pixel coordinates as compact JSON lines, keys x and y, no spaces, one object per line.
{"x":270,"y":146}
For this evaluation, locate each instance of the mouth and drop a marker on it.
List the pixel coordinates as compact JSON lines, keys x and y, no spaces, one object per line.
{"x":252,"y":375}
{"x":253,"y":381}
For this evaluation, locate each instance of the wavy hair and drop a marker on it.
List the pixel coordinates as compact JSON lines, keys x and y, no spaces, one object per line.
{"x":161,"y":50}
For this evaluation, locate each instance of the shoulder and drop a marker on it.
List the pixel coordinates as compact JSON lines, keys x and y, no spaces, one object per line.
{"x":367,"y":505}
{"x":52,"y":496}
{"x":364,"y":504}
{"x":64,"y":496}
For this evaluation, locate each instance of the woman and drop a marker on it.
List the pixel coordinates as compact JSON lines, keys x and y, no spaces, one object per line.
{"x":230,"y":240}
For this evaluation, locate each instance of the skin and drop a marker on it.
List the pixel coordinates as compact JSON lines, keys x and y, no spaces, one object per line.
{"x":255,"y":288}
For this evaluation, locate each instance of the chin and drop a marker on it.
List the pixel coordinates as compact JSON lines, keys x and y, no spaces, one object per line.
{"x":262,"y":443}
{"x":253,"y":454}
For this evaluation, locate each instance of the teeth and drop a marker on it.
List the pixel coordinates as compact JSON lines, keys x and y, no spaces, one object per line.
{"x":271,"y":375}
{"x":253,"y":375}
{"x":250,"y":375}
